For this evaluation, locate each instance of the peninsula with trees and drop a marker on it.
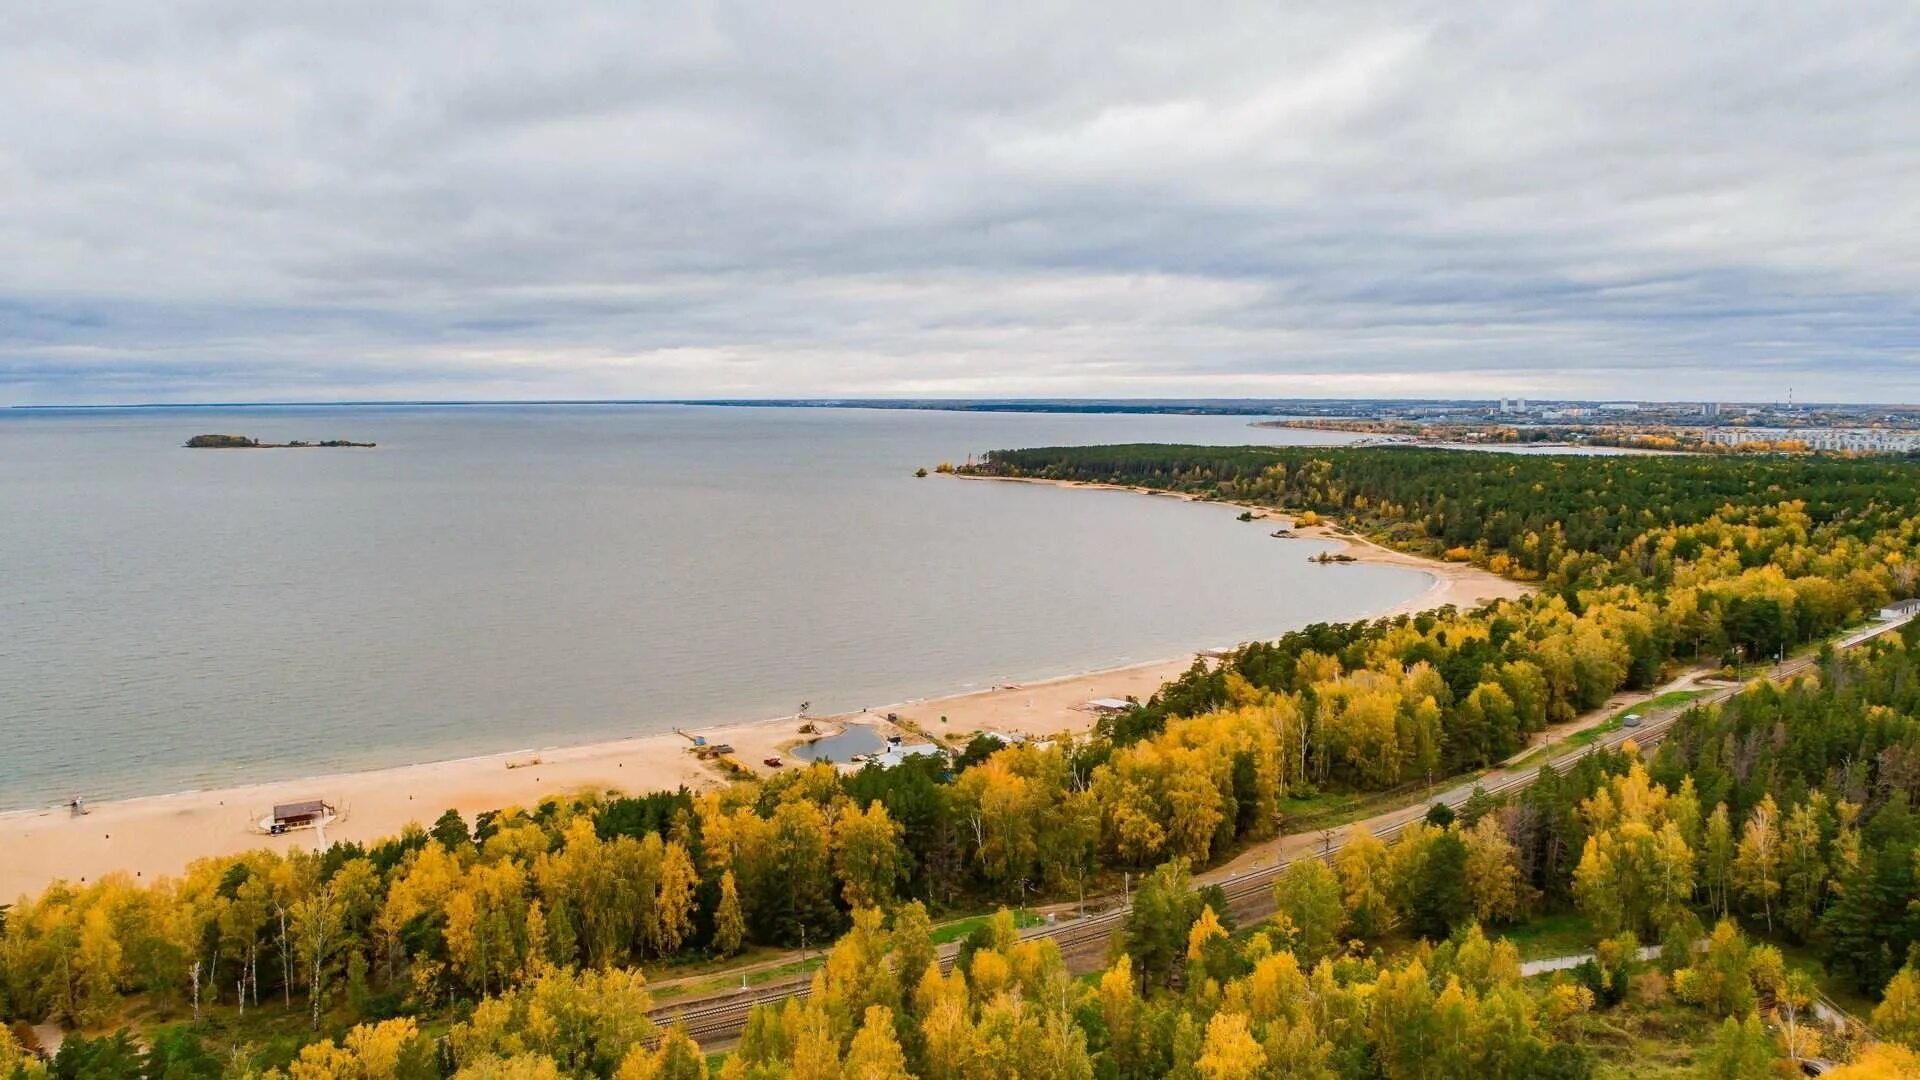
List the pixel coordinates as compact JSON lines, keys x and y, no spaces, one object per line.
{"x":247,"y":442}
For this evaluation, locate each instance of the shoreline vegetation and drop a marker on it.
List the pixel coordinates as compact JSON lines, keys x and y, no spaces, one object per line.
{"x":159,"y":834}
{"x":246,"y":442}
{"x":1780,"y":814}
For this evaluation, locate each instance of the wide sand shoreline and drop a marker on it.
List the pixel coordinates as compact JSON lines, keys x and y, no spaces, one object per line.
{"x":158,"y":835}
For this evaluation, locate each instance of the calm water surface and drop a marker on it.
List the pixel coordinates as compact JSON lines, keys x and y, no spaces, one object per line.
{"x":857,"y":739}
{"x":496,"y":578}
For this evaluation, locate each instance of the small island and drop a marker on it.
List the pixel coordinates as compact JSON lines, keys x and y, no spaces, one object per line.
{"x":243,"y":442}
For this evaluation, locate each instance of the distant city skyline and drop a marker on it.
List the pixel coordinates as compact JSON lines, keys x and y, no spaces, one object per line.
{"x":208,"y":202}
{"x":1534,"y":406}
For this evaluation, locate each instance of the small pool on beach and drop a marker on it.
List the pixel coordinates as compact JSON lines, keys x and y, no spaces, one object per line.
{"x":855,"y":740}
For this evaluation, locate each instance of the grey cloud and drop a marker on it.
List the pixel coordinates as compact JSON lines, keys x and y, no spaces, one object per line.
{"x":230,"y":200}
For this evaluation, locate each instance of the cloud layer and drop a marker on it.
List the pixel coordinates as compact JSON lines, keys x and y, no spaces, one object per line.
{"x":229,"y":200}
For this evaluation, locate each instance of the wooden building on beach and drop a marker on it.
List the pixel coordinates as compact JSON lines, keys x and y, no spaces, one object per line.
{"x":304,"y":814}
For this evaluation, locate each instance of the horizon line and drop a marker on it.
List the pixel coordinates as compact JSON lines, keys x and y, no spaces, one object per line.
{"x":855,"y":402}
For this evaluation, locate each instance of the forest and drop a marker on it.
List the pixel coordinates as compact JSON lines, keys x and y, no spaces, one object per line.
{"x":1780,"y":825}
{"x":1568,"y":520}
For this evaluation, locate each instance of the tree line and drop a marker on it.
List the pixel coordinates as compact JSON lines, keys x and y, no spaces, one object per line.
{"x":1570,"y":521}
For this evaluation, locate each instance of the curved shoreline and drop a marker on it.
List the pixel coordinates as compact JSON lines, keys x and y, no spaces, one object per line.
{"x":153,"y":835}
{"x":1460,"y":584}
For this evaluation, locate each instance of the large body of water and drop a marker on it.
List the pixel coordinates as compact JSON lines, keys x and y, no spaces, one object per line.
{"x":495,"y":578}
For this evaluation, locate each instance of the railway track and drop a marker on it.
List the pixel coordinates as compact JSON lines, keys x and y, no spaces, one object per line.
{"x":1083,"y":941}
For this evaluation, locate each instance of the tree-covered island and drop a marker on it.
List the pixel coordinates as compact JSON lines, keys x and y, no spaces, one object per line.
{"x":246,"y":442}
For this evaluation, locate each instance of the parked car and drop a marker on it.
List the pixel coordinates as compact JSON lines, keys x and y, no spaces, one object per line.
{"x":1632,"y":719}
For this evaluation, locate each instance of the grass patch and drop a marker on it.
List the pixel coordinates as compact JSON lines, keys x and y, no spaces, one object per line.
{"x":1669,"y":699}
{"x":723,"y":982}
{"x":1643,"y":1042}
{"x":1332,"y":809}
{"x":947,"y":933}
{"x":1322,"y":804}
{"x":694,"y":965}
{"x":1564,"y":934}
{"x":1588,"y":736}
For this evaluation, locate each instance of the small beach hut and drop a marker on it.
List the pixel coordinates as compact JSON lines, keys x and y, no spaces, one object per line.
{"x":1108,"y":705}
{"x":300,"y":815}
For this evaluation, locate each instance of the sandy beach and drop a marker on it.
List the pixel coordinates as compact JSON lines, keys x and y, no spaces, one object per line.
{"x":159,"y":835}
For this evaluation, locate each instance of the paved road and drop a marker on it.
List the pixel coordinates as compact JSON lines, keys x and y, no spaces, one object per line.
{"x":716,"y":1020}
{"x":1567,"y":963}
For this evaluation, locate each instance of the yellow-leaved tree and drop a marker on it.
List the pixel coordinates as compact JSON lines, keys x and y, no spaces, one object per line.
{"x":1230,"y":1051}
{"x":875,"y":1053}
{"x":1897,"y":1017}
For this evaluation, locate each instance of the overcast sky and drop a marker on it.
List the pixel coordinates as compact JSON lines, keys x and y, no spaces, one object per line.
{"x":252,"y":200}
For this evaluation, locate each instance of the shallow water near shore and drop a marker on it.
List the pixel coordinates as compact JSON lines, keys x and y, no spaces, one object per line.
{"x":489,"y":579}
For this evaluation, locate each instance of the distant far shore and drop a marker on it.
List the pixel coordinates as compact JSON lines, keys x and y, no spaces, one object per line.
{"x":245,"y":442}
{"x":159,"y":835}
